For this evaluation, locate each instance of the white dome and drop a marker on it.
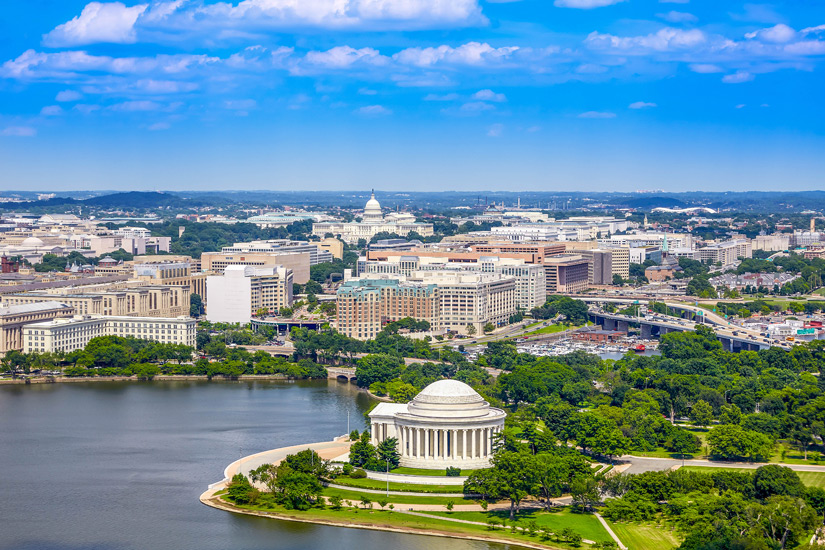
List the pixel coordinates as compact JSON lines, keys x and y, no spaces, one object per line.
{"x":449,"y":399}
{"x":32,"y":241}
{"x":372,"y":211}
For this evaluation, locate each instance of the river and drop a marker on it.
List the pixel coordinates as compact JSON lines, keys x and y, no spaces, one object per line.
{"x":120,"y":465}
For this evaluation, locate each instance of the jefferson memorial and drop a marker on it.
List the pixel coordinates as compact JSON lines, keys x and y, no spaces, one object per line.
{"x":447,"y":424}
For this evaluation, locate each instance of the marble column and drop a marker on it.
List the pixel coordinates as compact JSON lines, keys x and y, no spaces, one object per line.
{"x":426,"y":444}
{"x":464,"y":443}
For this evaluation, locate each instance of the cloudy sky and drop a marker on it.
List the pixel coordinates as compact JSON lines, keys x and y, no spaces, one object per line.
{"x":412,"y":94}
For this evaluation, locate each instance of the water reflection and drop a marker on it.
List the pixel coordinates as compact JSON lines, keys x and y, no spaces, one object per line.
{"x":120,"y":465}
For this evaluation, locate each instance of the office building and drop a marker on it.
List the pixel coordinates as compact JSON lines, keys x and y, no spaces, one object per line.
{"x":242,"y":291}
{"x":73,"y":333}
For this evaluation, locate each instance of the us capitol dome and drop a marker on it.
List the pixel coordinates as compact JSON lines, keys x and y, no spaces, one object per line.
{"x":447,"y":424}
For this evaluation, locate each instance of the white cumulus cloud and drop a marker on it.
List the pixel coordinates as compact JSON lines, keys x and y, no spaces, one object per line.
{"x":489,"y":95}
{"x":98,"y":22}
{"x":642,"y":105}
{"x":68,"y":96}
{"x":778,"y":34}
{"x":737,"y":78}
{"x":471,"y":53}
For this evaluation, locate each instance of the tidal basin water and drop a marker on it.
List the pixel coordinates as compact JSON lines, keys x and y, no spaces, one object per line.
{"x":120,"y":466}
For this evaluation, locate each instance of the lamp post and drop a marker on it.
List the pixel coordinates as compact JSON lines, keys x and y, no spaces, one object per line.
{"x":388,"y":477}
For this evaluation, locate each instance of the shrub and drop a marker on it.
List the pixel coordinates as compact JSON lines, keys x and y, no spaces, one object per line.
{"x":452,"y":471}
{"x":358,"y":474}
{"x":347,"y":469}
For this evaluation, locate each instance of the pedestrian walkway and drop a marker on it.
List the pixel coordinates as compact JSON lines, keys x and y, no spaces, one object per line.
{"x":456,"y":520}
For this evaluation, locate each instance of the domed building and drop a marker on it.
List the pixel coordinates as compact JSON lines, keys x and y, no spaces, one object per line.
{"x":447,"y":424}
{"x":372,"y":223}
{"x":372,"y":211}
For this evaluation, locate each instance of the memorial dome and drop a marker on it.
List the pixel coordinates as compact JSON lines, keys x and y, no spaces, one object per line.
{"x":448,"y":399}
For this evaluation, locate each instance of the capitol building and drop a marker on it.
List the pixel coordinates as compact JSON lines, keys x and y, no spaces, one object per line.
{"x":372,"y":223}
{"x":447,"y":424}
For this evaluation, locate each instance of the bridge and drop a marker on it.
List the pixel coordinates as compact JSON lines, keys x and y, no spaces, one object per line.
{"x":733,"y":338}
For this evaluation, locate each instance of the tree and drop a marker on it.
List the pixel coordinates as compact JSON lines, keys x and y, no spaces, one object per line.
{"x":387,"y":452}
{"x":489,"y":327}
{"x":379,"y":367}
{"x":471,"y":329}
{"x":362,"y":452}
{"x":773,"y":479}
{"x":729,"y":442}
{"x":683,"y":442}
{"x":335,"y":502}
{"x":701,"y":414}
{"x":195,"y":305}
{"x":512,"y":476}
{"x":585,"y":492}
{"x":617,"y":280}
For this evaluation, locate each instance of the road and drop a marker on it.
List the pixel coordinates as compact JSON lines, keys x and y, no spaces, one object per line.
{"x":641,"y":464}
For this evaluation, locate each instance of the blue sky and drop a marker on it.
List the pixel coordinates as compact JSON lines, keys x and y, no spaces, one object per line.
{"x":412,"y":95}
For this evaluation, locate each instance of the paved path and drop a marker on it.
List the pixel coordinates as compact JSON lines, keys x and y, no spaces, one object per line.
{"x":610,"y":531}
{"x":456,"y":520}
{"x":325,"y":449}
{"x":641,"y":464}
{"x":394,"y":493}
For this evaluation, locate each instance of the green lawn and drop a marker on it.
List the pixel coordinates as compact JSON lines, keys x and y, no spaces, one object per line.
{"x":425,"y":472}
{"x":552,"y":329}
{"x":355,"y":496}
{"x":378,"y":518}
{"x":811,"y":479}
{"x":587,"y":525}
{"x":638,"y":536}
{"x":408,"y":487}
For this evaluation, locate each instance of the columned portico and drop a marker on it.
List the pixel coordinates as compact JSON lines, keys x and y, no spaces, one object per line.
{"x":447,"y":424}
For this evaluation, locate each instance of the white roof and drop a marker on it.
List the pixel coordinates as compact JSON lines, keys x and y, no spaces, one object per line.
{"x":449,"y":391}
{"x":32,"y":308}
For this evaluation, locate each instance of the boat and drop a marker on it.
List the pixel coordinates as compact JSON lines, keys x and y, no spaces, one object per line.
{"x":639,"y":348}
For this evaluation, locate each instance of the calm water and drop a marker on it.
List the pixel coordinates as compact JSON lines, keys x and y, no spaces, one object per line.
{"x":120,"y":466}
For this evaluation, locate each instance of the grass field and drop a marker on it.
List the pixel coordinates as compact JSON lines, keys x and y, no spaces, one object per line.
{"x":379,"y":518}
{"x":355,"y":497}
{"x":638,"y":536}
{"x":408,"y":487}
{"x":811,"y":479}
{"x":587,"y":525}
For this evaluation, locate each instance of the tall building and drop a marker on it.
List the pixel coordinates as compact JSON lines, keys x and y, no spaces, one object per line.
{"x":529,"y":278}
{"x":298,"y":262}
{"x":372,"y":223}
{"x":364,"y":306}
{"x":241,"y":291}
{"x":448,"y":300}
{"x":566,"y":274}
{"x":725,"y":253}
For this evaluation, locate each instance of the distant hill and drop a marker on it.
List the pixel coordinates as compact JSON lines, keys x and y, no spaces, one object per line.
{"x":647,"y":203}
{"x":130,"y":200}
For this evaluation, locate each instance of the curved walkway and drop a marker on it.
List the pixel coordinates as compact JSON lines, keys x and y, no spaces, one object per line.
{"x":393,"y":493}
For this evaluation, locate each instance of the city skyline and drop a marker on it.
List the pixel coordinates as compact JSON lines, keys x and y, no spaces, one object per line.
{"x":591,"y":95}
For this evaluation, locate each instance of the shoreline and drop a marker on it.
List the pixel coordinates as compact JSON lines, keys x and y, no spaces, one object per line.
{"x":328,"y":450}
{"x":158,"y":378}
{"x":208,"y":498}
